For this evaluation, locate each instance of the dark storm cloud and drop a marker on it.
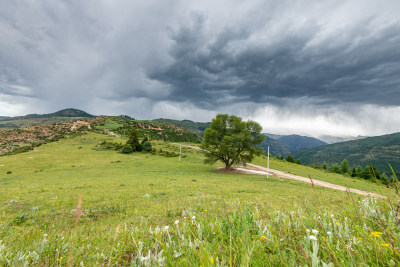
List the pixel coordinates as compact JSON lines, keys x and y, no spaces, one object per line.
{"x":359,"y":63}
{"x":193,"y":59}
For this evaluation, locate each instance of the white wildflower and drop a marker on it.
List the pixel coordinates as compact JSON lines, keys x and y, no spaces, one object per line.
{"x":329,"y":233}
{"x":194,"y":217}
{"x":315,"y":232}
{"x":45,"y":235}
{"x":332,"y":215}
{"x":308,"y":231}
{"x":166,"y":228}
{"x":177,"y":222}
{"x":313,"y":238}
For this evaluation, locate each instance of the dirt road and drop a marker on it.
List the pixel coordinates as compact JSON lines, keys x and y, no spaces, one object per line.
{"x":285,"y":175}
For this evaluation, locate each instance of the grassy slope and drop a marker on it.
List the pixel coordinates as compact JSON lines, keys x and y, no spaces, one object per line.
{"x":322,"y":175}
{"x":113,"y":188}
{"x":110,"y":124}
{"x":71,"y":167}
{"x":379,"y":151}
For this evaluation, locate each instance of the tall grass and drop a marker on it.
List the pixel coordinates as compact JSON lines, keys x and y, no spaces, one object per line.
{"x":366,"y":233}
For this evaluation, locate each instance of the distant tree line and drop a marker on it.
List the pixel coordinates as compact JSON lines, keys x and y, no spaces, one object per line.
{"x":369,"y":172}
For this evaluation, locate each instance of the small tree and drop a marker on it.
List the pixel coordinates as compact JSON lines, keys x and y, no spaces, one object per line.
{"x":367,"y":174}
{"x":336,"y":169}
{"x":345,"y":167}
{"x":359,"y":171}
{"x":289,"y":158}
{"x":354,"y":172}
{"x":324,"y":166}
{"x":231,"y":140}
{"x":132,"y":144}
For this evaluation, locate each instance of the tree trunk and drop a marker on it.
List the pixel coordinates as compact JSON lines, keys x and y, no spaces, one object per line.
{"x":228,"y":166}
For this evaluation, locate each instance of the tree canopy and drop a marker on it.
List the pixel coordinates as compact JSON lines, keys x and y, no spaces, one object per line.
{"x":231,"y":140}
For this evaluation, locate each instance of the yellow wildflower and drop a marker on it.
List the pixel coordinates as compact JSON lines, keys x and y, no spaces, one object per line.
{"x":337,"y":223}
{"x":264,"y":237}
{"x":377,"y":234}
{"x":211,"y":259}
{"x":385,"y":245}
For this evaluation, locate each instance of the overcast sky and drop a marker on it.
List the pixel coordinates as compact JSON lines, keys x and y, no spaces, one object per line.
{"x":306,"y":67}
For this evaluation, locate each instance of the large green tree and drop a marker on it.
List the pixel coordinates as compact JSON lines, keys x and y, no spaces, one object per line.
{"x":231,"y":140}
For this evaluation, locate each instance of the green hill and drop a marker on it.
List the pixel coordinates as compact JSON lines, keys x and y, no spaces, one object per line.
{"x":155,"y":130}
{"x":379,"y":151}
{"x":69,"y":112}
{"x":61,"y":116}
{"x":195,"y":127}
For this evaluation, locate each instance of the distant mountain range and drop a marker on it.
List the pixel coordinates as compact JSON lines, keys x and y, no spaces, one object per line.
{"x":275,"y":147}
{"x":288,"y":144}
{"x":330,"y":139}
{"x":69,"y":112}
{"x":195,"y":127}
{"x":378,"y":150}
{"x":61,"y":116}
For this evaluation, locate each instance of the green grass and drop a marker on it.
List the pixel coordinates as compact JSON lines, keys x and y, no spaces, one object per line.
{"x":128,"y":199}
{"x":110,"y":125}
{"x":334,"y":178}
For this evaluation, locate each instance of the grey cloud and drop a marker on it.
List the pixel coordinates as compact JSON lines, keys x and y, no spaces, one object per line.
{"x":191,"y":59}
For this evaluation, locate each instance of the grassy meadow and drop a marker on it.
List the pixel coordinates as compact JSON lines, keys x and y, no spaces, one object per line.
{"x":71,"y":203}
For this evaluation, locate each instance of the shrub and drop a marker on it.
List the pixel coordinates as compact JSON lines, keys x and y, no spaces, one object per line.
{"x":146,"y":146}
{"x":110,"y":145}
{"x":126,"y":149}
